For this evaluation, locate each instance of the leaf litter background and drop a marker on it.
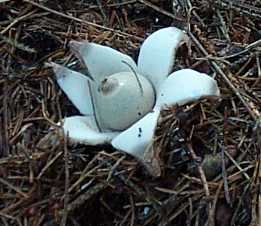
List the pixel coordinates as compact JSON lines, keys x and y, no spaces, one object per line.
{"x":209,"y":150}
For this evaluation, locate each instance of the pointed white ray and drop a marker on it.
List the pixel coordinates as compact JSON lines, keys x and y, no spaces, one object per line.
{"x":82,"y":129}
{"x":184,"y":86}
{"x":157,"y":54}
{"x":100,"y":60}
{"x":76,"y":87}
{"x":138,"y":137}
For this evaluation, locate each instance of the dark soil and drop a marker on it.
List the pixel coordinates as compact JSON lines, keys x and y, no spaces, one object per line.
{"x":209,"y":150}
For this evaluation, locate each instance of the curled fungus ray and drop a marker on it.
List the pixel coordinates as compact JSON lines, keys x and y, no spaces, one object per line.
{"x":120,"y":101}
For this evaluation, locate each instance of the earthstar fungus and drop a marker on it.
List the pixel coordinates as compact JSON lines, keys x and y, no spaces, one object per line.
{"x":121,"y":101}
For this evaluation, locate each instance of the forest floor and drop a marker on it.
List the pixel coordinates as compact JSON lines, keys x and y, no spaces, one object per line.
{"x":209,"y":152}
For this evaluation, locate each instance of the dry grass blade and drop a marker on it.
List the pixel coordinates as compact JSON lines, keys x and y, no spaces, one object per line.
{"x":209,"y":149}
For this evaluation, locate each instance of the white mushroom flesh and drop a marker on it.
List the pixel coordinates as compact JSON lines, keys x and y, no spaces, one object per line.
{"x":76,"y":87}
{"x":157,"y":54}
{"x":136,"y":139}
{"x":101,"y":61}
{"x":122,"y":99}
{"x":82,"y":129}
{"x":184,"y":86}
